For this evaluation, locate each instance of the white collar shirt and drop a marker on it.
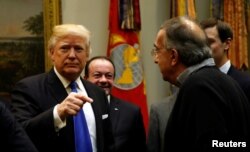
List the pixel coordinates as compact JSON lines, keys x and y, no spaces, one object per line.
{"x":225,"y":67}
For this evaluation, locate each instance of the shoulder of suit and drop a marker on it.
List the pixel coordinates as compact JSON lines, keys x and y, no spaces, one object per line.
{"x":89,"y":84}
{"x":239,"y":75}
{"x":33,"y":79}
{"x":201,"y":76}
{"x":163,"y":104}
{"x":125,"y":103}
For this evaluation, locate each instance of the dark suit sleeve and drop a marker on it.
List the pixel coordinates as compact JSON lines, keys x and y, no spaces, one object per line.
{"x":27,"y":109}
{"x":153,"y":144}
{"x":13,"y":137}
{"x":246,"y":88}
{"x":26,"y":106}
{"x":138,"y":134}
{"x":242,"y":78}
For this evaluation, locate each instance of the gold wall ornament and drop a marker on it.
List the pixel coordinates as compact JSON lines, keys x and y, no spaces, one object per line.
{"x":51,"y":16}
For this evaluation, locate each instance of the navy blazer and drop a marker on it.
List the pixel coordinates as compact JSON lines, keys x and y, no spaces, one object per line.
{"x":242,"y":78}
{"x":127,"y":125}
{"x":33,"y":101}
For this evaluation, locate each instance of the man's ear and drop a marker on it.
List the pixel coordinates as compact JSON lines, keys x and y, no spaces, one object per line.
{"x":227,"y":44}
{"x":51,"y":54}
{"x":174,"y":56}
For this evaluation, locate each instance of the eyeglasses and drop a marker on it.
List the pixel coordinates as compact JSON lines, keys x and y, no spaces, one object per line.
{"x":155,"y":51}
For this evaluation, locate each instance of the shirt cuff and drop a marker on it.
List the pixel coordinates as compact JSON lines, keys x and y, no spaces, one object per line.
{"x":58,"y":123}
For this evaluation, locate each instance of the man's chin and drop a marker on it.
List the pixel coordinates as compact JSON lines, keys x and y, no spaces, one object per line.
{"x":72,"y":73}
{"x":72,"y":70}
{"x":107,"y":91}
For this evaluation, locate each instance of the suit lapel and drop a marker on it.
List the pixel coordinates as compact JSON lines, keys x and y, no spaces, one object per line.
{"x":114,"y":112}
{"x":231,"y":70}
{"x":56,"y":87}
{"x":92,"y":95}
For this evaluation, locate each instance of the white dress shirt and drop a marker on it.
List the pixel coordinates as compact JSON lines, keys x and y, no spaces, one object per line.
{"x":225,"y":68}
{"x":87,"y":109}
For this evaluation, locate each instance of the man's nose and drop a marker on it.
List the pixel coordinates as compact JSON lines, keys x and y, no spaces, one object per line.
{"x":72,"y":52}
{"x":155,"y":59}
{"x":103,"y":78}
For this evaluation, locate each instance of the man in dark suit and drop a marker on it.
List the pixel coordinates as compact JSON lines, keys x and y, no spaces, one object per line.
{"x":219,"y":36}
{"x":12,"y":136}
{"x":45,"y":105}
{"x":126,"y":118}
{"x":211,"y":112}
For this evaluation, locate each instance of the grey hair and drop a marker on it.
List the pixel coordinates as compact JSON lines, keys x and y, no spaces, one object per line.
{"x":186,"y":36}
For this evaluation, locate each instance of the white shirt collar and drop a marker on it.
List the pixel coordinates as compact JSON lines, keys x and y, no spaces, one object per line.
{"x":66,"y":83}
{"x":108,"y":96}
{"x":225,"y":68}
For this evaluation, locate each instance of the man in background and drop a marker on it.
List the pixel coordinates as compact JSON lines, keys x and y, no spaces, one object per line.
{"x":220,"y":36}
{"x":126,"y":118}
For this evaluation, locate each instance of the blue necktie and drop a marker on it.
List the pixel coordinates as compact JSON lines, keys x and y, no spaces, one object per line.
{"x":82,"y":137}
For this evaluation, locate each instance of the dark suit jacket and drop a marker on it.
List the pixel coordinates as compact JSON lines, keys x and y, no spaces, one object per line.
{"x":33,"y":100}
{"x":12,"y":136}
{"x":242,"y":78}
{"x":128,"y":128}
{"x":210,"y":106}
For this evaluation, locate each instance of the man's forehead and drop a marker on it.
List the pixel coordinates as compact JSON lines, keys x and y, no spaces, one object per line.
{"x":99,"y":62}
{"x":160,"y":38}
{"x":211,"y":31}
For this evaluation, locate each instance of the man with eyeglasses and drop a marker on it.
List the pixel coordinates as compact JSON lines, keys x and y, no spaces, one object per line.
{"x":210,"y":111}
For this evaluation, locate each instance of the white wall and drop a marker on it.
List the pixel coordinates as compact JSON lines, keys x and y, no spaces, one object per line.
{"x":93,"y":14}
{"x":153,"y":13}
